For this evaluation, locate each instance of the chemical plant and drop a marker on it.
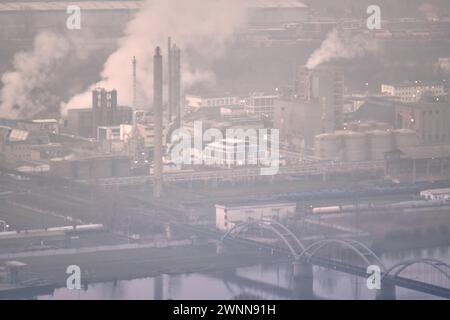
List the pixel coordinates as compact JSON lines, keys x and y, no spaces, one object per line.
{"x":257,"y":137}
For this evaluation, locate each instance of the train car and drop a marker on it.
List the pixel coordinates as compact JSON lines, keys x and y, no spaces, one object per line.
{"x":89,"y":228}
{"x":322,"y":210}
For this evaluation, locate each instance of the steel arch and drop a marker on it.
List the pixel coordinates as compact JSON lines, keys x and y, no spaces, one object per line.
{"x":402,"y":266}
{"x":349,"y":243}
{"x":271,"y":225}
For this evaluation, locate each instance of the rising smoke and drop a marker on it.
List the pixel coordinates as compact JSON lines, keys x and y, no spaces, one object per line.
{"x":202,"y":27}
{"x":24,"y":92}
{"x":336,"y":47}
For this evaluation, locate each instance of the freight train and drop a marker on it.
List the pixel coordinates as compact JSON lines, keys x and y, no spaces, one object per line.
{"x":373,"y":207}
{"x":67,"y":230}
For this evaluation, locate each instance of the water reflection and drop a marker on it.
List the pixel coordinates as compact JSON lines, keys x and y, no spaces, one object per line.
{"x":268,"y":281}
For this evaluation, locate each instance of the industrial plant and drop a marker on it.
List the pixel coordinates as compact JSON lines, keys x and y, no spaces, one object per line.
{"x":159,"y":147}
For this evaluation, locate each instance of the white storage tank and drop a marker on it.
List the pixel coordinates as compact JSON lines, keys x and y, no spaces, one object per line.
{"x":329,"y":146}
{"x":405,"y":138}
{"x":355,"y":146}
{"x":380,"y":142}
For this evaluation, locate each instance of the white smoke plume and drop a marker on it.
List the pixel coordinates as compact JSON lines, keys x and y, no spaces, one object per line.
{"x":201,"y":28}
{"x":336,"y":47}
{"x":23,"y":91}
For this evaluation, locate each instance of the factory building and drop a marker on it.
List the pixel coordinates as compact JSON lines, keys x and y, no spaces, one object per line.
{"x":229,"y":153}
{"x":211,"y":103}
{"x":298,"y":122}
{"x":104,"y":108}
{"x":411,"y":92}
{"x":96,"y":167}
{"x":410,"y":165}
{"x":260,"y":104}
{"x":229,"y":215}
{"x":324,"y":82}
{"x":104,"y":113}
{"x":430,"y":120}
{"x":314,"y":106}
{"x":275,"y":12}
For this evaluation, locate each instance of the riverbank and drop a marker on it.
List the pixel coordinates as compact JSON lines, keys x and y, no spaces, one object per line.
{"x":127,"y":264}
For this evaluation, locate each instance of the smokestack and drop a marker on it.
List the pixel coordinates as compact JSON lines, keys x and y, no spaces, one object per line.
{"x":177,"y":82}
{"x":170,"y":73}
{"x":158,"y":121}
{"x":134,"y":84}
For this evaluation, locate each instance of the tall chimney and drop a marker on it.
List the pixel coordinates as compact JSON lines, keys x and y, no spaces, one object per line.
{"x":158,"y":119}
{"x":177,"y":82}
{"x":134,"y":84}
{"x":170,"y":73}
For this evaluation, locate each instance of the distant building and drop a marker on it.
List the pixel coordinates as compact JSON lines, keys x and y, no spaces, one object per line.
{"x":298,"y":120}
{"x":275,"y":12}
{"x":81,"y":121}
{"x":229,"y":153}
{"x":410,"y":92}
{"x":260,"y":104}
{"x":229,"y":215}
{"x":430,"y":120}
{"x":436,"y":194}
{"x":327,"y":83}
{"x":411,"y":165}
{"x":104,"y":107}
{"x":212,"y":102}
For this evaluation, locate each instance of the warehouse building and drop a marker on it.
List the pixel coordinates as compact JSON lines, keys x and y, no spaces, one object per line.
{"x":229,"y":215}
{"x":417,"y":164}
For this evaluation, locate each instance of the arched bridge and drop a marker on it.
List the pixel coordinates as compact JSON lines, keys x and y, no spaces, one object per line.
{"x":344,"y":255}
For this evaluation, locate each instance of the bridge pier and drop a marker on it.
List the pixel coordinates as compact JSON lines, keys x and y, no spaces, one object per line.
{"x":303,"y":280}
{"x":220,"y":248}
{"x":387,"y":292}
{"x":158,"y":288}
{"x":168,"y":230}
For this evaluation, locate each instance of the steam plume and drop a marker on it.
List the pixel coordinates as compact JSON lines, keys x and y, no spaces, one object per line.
{"x":337,"y":47}
{"x":201,"y":28}
{"x":23,"y":93}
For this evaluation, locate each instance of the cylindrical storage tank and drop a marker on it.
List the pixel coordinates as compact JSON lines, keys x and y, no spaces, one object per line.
{"x":355,"y":146}
{"x":380,"y":142}
{"x":329,"y":146}
{"x":102,"y":167}
{"x":405,"y":138}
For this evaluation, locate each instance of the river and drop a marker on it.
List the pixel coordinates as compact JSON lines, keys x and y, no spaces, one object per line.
{"x":222,"y":285}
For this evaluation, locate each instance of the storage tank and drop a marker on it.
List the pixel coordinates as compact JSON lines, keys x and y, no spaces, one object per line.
{"x":380,"y":142}
{"x":405,"y":138}
{"x":329,"y":146}
{"x":355,"y":146}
